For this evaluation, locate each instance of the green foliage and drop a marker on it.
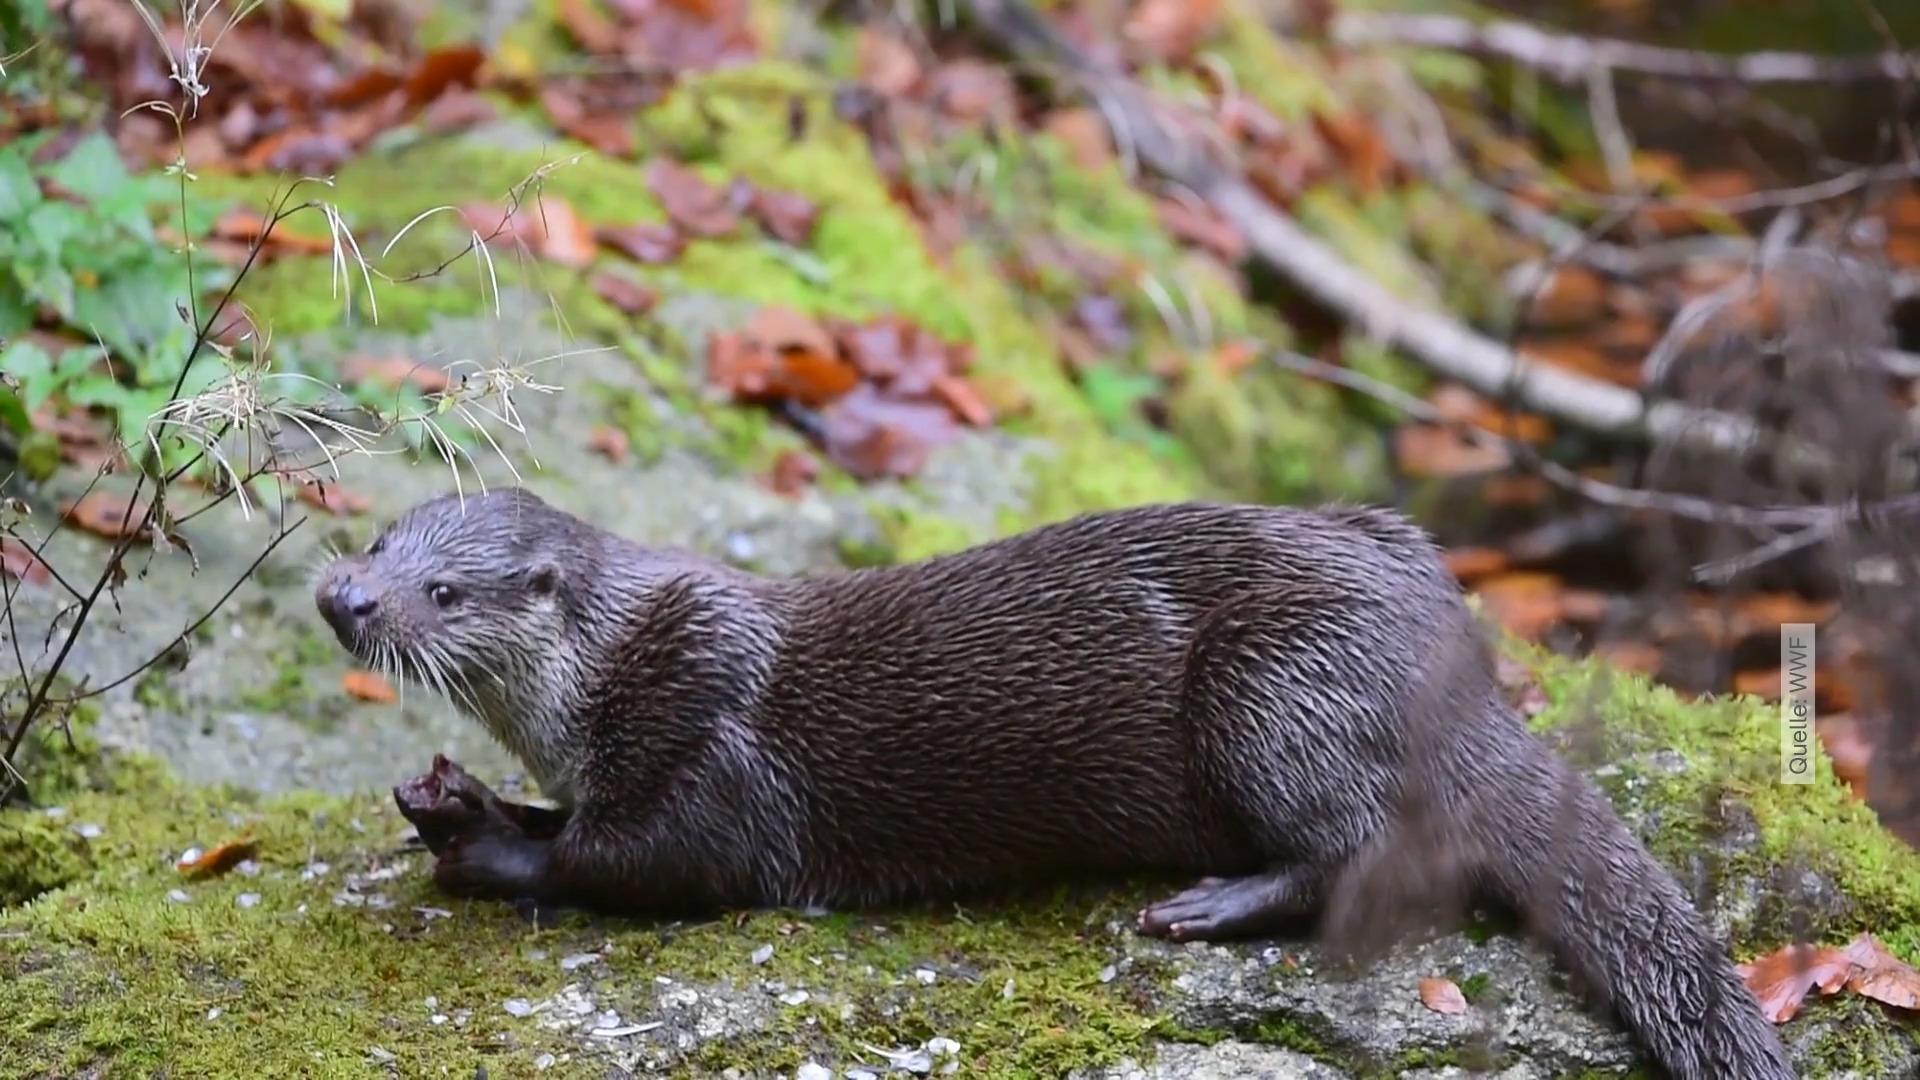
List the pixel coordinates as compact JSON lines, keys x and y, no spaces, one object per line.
{"x":78,"y":240}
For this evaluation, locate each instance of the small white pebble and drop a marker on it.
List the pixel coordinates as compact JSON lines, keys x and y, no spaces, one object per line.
{"x":1006,"y":992}
{"x":189,"y":857}
{"x":55,"y":812}
{"x":862,"y":1074}
{"x":431,"y":913}
{"x":88,"y":830}
{"x":518,"y":1007}
{"x":543,"y":1062}
{"x":432,"y":1002}
{"x":536,"y":955}
{"x":247,"y":868}
{"x":568,"y":963}
{"x":437,"y":1019}
{"x":179,"y":896}
{"x":247,"y":899}
{"x":1109,"y":973}
{"x":794,"y":997}
{"x":813,"y":1071}
{"x":214,"y":1013}
{"x":381,"y":1055}
{"x":941,"y":1046}
{"x":762,"y":954}
{"x":314,"y":870}
{"x":925,"y":975}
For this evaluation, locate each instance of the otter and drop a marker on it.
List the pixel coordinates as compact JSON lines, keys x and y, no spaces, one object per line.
{"x":1268,"y":699}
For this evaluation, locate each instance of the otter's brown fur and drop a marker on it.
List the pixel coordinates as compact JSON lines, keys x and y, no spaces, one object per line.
{"x":1273,"y":697}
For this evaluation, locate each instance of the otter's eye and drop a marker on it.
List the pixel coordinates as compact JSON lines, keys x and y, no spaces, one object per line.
{"x":443,"y":595}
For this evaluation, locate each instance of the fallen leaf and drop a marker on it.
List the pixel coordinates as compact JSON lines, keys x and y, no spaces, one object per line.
{"x":1571,"y":296}
{"x":647,"y":244}
{"x":394,"y":372}
{"x":1169,"y":31}
{"x":1882,"y":976}
{"x":1630,"y":656}
{"x":248,"y":226}
{"x":1468,"y":563}
{"x":452,"y":65}
{"x":333,"y":498}
{"x":1442,"y":995}
{"x":874,"y":438}
{"x":611,"y":133}
{"x":1781,"y":979}
{"x":218,"y":859}
{"x":1360,"y":146}
{"x":368,"y":686}
{"x":959,"y":395}
{"x":974,"y":91}
{"x":1431,"y":450}
{"x":788,"y":216}
{"x":610,"y":443}
{"x":559,"y":233}
{"x":107,"y":515}
{"x":781,"y":329}
{"x":588,"y":26}
{"x":1848,"y":748}
{"x":18,"y":562}
{"x":1527,"y":603}
{"x":886,"y":64}
{"x":813,"y":379}
{"x":695,"y":206}
{"x":622,"y":292}
{"x":792,"y":472}
{"x":455,"y":110}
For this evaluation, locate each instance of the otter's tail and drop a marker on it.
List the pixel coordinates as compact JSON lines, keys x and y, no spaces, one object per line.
{"x":1621,"y":923}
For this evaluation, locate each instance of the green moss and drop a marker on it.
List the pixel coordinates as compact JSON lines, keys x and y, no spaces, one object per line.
{"x":1728,"y":775}
{"x":38,"y":853}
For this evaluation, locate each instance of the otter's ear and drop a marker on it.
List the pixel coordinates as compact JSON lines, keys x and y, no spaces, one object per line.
{"x":544,"y":579}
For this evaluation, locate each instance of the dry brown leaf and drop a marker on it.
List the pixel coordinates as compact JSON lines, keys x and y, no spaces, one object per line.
{"x":333,"y":498}
{"x":394,"y":372}
{"x":873,"y":438}
{"x":589,"y":27}
{"x":452,"y":65}
{"x":1471,"y":563}
{"x":696,"y":207}
{"x":1882,"y":976}
{"x":1442,"y":995}
{"x":368,"y":686}
{"x":647,"y":244}
{"x":559,"y":233}
{"x":247,"y":226}
{"x":959,"y":395}
{"x":792,"y":473}
{"x":622,"y":292}
{"x":610,"y":443}
{"x":1782,"y":979}
{"x":787,"y":216}
{"x":1169,"y":31}
{"x":887,"y":65}
{"x":1849,"y":750}
{"x":1527,"y":603}
{"x":1630,"y":656}
{"x":1431,"y":450}
{"x":1572,"y":296}
{"x":106,"y":515}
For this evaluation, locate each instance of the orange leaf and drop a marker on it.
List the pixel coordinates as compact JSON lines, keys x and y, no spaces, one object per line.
{"x":1442,"y":996}
{"x":792,"y":472}
{"x":559,"y":233}
{"x":368,"y":686}
{"x":106,"y":515}
{"x":218,"y":859}
{"x":1469,"y":563}
{"x":813,"y":379}
{"x":441,"y":68}
{"x":1571,"y":296}
{"x":1525,"y":602}
{"x":588,"y":26}
{"x":1847,"y":746}
{"x":1429,"y":450}
{"x":247,"y":225}
{"x":1781,"y":979}
{"x":629,"y":296}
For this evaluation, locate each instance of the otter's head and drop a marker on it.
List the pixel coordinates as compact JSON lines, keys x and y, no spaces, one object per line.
{"x":474,"y":597}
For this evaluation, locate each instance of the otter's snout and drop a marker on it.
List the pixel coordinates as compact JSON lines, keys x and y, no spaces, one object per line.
{"x":346,"y":604}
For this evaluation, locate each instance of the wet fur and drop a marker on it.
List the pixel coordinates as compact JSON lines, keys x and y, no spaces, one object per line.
{"x":1283,"y":699}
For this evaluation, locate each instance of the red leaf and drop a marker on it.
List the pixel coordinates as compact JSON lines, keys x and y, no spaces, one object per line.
{"x":648,"y":244}
{"x":788,"y":216}
{"x":629,"y":296}
{"x":442,"y":68}
{"x":1782,"y":979}
{"x":18,"y":562}
{"x":368,"y":686}
{"x":588,"y":26}
{"x":873,"y":438}
{"x":792,"y":473}
{"x":959,"y":395}
{"x":610,"y":443}
{"x":697,"y":207}
{"x":218,"y":859}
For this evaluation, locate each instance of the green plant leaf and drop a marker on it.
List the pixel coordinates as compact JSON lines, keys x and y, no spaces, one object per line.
{"x":92,"y":169}
{"x":18,"y":192}
{"x":13,"y":413}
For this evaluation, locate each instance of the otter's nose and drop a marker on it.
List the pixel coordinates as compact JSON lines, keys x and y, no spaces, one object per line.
{"x":345,"y":605}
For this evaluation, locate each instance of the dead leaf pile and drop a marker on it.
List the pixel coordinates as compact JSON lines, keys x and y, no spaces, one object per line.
{"x":884,"y":392}
{"x":291,"y":93}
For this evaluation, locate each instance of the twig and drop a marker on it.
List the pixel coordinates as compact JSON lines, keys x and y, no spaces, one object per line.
{"x":1568,"y":58}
